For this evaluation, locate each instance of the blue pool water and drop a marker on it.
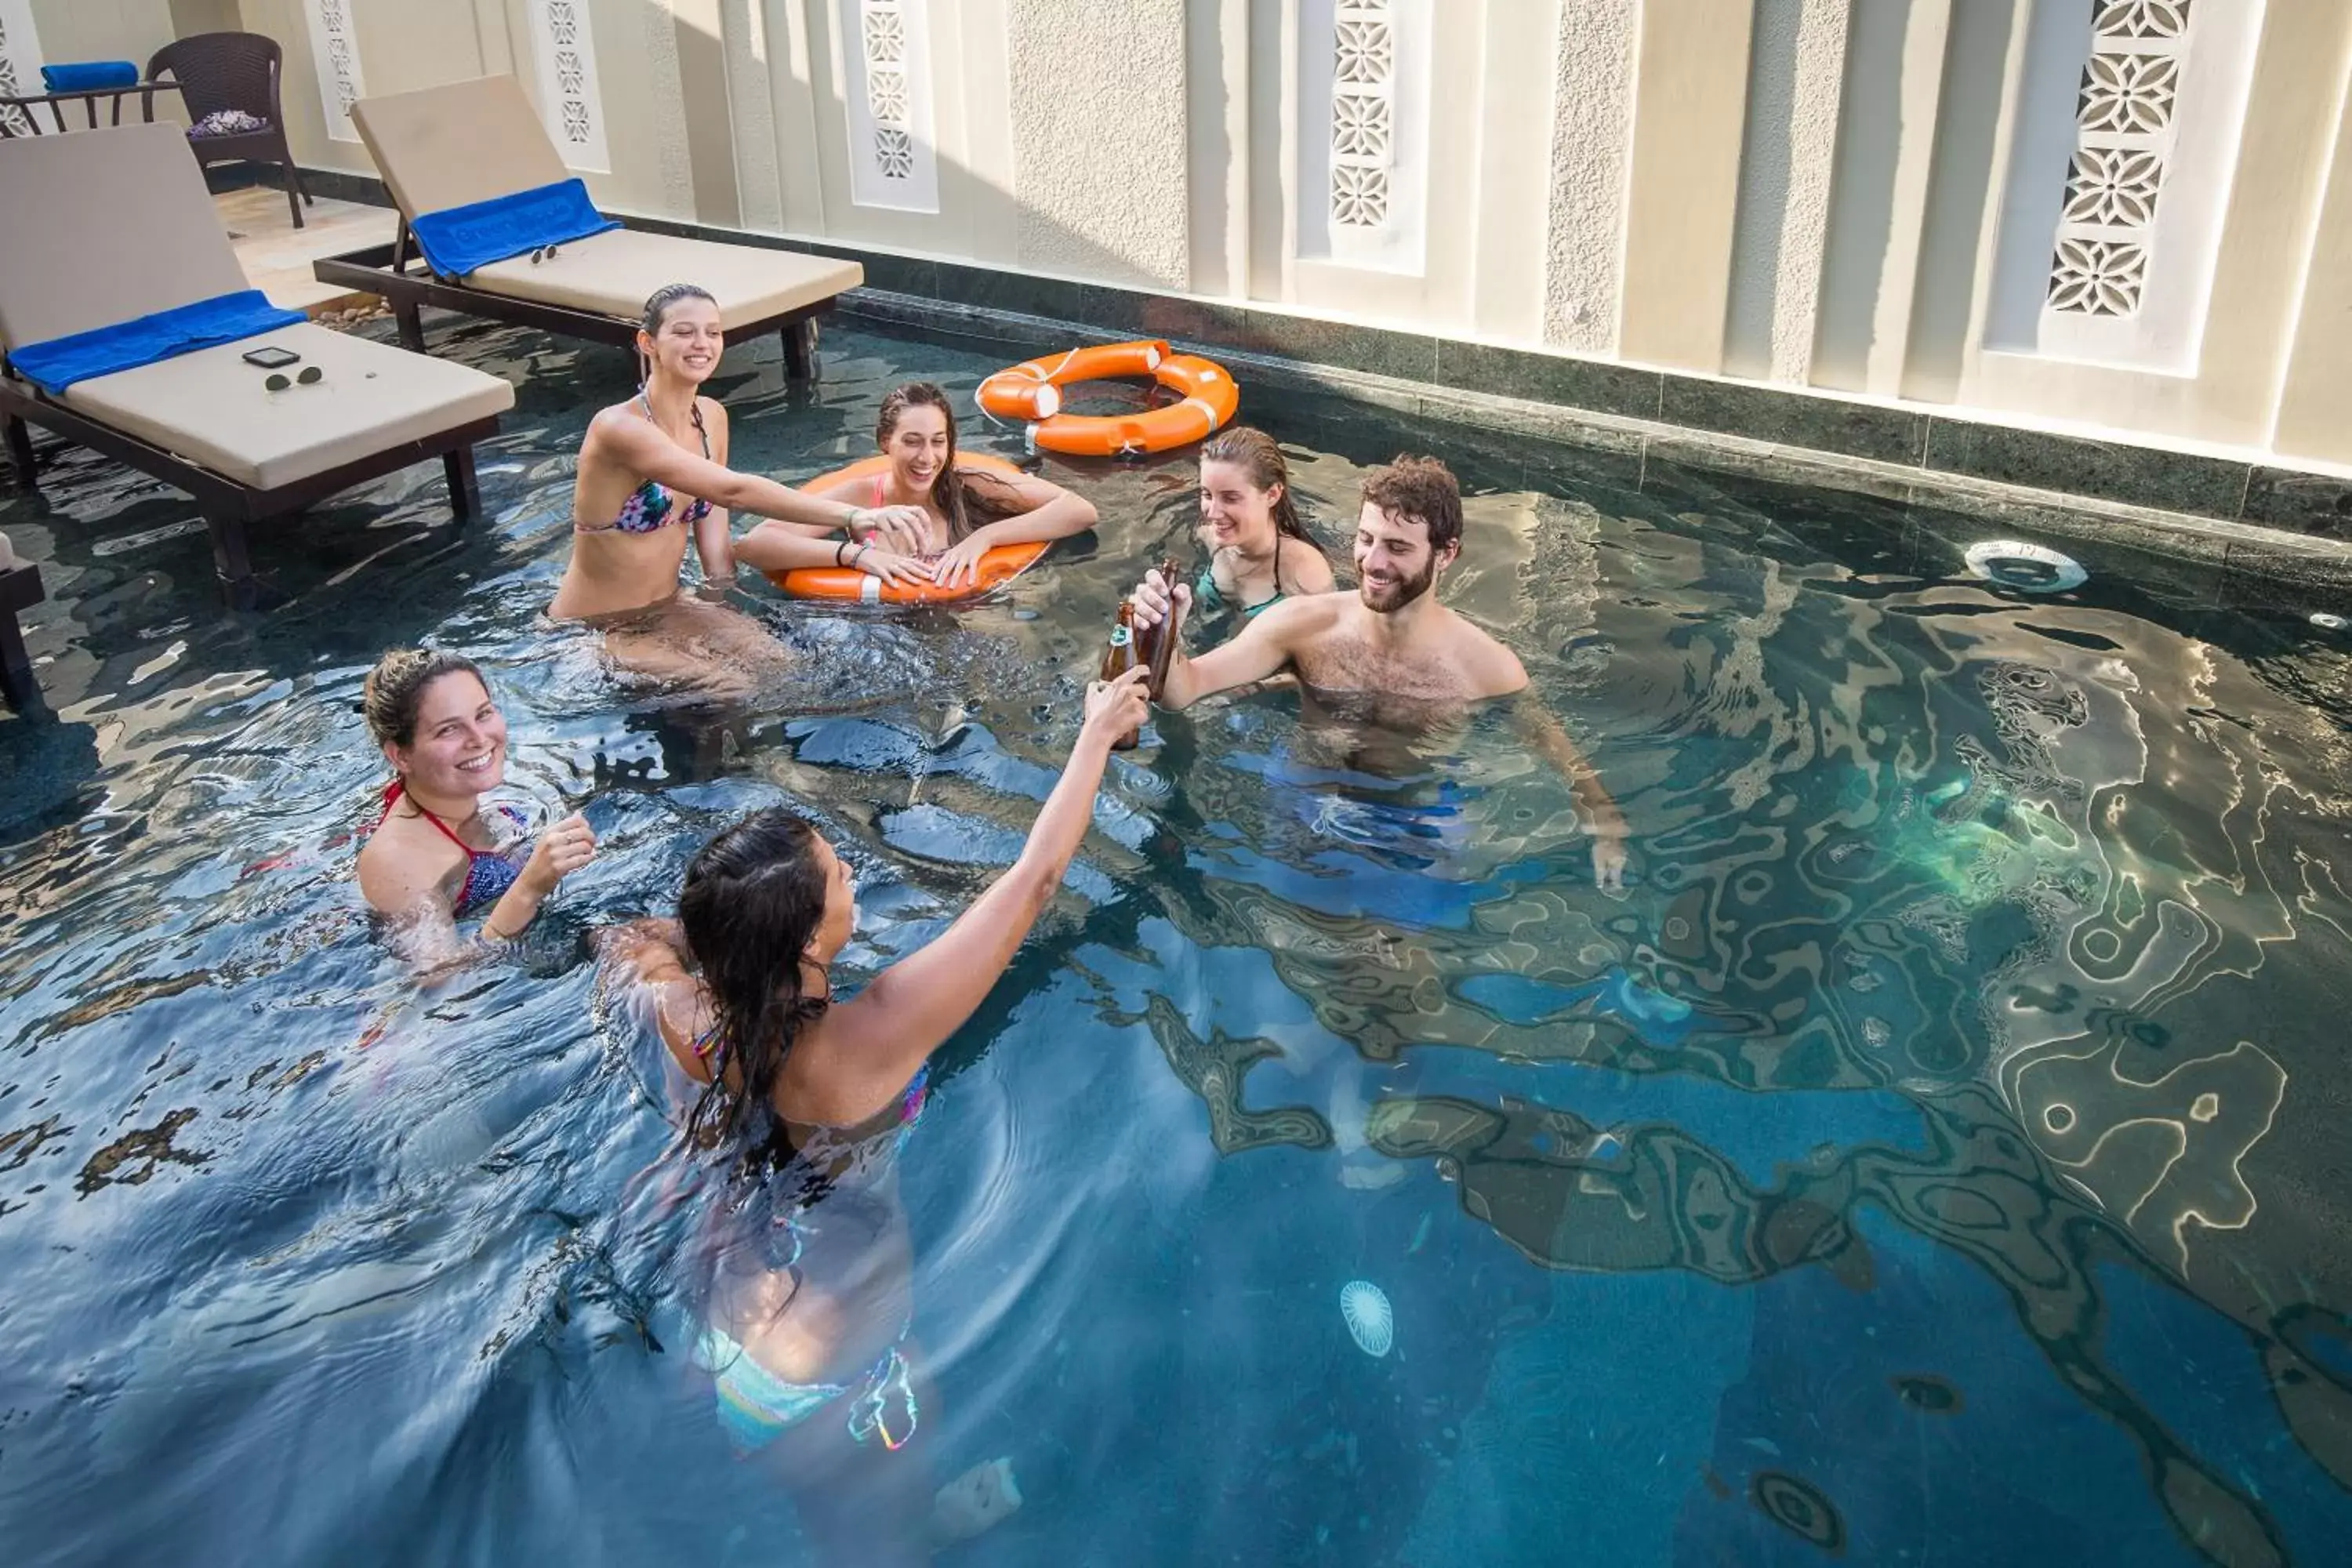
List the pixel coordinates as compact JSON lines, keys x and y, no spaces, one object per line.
{"x":1936,"y":1156}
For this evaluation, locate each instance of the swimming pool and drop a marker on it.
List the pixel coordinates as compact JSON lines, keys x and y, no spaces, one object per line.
{"x":1938,"y":1154}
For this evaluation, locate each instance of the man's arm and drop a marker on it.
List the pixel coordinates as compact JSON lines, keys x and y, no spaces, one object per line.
{"x":1262,"y":650}
{"x":1602,"y":817}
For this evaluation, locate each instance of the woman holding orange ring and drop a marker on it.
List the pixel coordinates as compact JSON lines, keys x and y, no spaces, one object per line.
{"x":971,"y":509}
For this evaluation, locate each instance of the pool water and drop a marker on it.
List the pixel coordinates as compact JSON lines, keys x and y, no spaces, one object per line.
{"x":1937,"y":1154}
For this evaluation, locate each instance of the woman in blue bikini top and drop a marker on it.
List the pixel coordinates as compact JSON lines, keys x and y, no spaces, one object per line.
{"x":802,"y":1099}
{"x":1247,"y":516}
{"x":436,"y":856}
{"x":667,"y":445}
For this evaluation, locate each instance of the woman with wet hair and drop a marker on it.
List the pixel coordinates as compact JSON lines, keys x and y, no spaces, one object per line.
{"x":804,"y":1097}
{"x":436,"y":856}
{"x":653,"y":471}
{"x":1260,"y":553}
{"x":967,"y":510}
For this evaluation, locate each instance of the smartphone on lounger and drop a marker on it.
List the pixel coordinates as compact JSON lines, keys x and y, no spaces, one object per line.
{"x":271,"y":358}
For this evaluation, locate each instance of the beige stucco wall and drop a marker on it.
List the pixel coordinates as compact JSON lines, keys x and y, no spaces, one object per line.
{"x":1804,"y":192}
{"x":1097,"y":90}
{"x":102,"y":29}
{"x":1591,"y":130}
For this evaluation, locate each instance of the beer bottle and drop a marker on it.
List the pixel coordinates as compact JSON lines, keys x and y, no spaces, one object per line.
{"x":1155,"y":644}
{"x":1119,"y":657}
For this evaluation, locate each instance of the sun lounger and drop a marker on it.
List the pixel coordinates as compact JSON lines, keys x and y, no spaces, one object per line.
{"x":477,"y":144}
{"x":20,"y":589}
{"x":107,"y":231}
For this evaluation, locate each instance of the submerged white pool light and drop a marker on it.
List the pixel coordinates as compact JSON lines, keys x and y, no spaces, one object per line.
{"x":1371,"y":1320}
{"x":2035,"y":568}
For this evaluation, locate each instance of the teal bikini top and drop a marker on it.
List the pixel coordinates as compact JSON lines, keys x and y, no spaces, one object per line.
{"x":1205,"y":596}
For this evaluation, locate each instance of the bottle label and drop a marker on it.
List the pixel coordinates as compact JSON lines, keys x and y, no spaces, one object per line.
{"x":1119,"y":637}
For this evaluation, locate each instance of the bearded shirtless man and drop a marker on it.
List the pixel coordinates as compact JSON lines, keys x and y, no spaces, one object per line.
{"x":1389,"y":654}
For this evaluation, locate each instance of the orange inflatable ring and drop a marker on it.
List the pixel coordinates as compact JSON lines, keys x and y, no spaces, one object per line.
{"x":997,"y":567}
{"x":1034,"y":392}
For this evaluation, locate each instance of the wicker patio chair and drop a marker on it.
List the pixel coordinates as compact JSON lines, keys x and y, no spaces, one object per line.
{"x":220,"y":71}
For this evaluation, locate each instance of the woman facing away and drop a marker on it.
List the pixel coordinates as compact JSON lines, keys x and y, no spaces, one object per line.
{"x":805,"y":1099}
{"x":653,"y":471}
{"x":967,"y":509}
{"x":436,"y":857}
{"x":1260,"y":553}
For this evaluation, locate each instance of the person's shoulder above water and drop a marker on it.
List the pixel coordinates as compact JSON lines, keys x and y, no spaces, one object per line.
{"x":1488,"y":668}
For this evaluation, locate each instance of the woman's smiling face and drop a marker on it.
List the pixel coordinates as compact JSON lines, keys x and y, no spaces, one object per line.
{"x":460,"y":748}
{"x":1234,"y":510}
{"x":920,"y":447}
{"x":688,"y":344}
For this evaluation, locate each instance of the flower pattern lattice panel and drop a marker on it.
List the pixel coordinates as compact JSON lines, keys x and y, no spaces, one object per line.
{"x":2141,"y":19}
{"x":887,"y":98}
{"x":563,"y":44}
{"x":2098,"y":276}
{"x":335,"y":55}
{"x":2125,"y":117}
{"x":2114,"y":186}
{"x":1363,"y":114}
{"x":2130,"y":94}
{"x":1359,"y":197}
{"x":884,"y":29}
{"x":11,"y":120}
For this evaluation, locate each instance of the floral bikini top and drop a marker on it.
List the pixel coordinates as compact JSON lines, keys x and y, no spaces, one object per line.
{"x":488,"y":872}
{"x":647,"y":508}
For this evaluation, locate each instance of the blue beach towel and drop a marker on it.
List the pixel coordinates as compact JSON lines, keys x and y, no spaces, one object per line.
{"x":456,"y":240}
{"x":60,"y":363}
{"x":90,"y":76}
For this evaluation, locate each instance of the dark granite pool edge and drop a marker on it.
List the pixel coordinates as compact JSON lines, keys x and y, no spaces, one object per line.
{"x":1967,"y":465}
{"x":1628,"y":453}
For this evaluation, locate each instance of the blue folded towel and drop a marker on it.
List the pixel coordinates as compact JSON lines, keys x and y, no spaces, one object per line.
{"x":455,"y":240}
{"x":90,"y":76}
{"x":60,"y":363}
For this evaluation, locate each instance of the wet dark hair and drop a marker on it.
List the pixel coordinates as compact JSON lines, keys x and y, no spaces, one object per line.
{"x":395,"y":689}
{"x":1423,"y":490}
{"x":968,"y":500}
{"x":658,"y":302}
{"x":1256,"y":454}
{"x":753,"y":897}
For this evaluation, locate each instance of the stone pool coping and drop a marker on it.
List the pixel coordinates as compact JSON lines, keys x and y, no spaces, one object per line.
{"x":2243,"y":511}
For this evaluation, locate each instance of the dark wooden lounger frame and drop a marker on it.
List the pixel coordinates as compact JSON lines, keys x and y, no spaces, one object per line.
{"x":398,"y":273}
{"x":228,"y":506}
{"x":20,"y":588}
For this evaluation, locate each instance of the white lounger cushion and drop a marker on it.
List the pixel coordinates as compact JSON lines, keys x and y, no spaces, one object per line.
{"x":209,"y":406}
{"x":616,"y":272}
{"x":466,"y":141}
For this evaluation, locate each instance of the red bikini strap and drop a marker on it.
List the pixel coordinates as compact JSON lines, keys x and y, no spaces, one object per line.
{"x":392,"y":793}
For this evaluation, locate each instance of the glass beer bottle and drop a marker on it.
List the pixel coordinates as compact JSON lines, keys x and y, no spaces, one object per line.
{"x":1155,"y":644}
{"x":1119,"y":656}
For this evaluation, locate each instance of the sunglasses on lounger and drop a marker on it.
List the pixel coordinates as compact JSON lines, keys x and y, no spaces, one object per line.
{"x":544,"y":253}
{"x":310,"y":376}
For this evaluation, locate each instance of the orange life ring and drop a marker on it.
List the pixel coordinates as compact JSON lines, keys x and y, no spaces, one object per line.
{"x":997,"y":567}
{"x":1033,"y":391}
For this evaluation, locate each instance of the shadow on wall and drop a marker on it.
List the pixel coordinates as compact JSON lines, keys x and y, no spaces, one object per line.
{"x":1863,"y":295}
